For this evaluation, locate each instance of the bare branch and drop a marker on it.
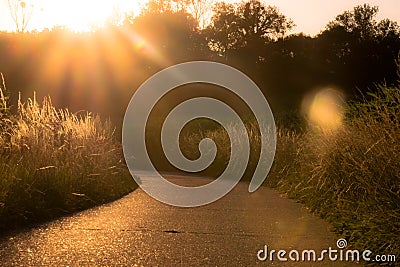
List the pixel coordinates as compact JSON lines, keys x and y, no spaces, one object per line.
{"x":21,"y":13}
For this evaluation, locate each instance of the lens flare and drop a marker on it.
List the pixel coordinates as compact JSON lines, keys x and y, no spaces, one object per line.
{"x":325,"y":108}
{"x":141,"y":44}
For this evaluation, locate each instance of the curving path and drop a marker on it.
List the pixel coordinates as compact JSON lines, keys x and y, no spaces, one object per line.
{"x":139,"y":231}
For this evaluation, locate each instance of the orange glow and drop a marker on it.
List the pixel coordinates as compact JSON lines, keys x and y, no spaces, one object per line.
{"x":143,"y":45}
{"x":324,"y":108}
{"x":80,"y":15}
{"x":82,"y":70}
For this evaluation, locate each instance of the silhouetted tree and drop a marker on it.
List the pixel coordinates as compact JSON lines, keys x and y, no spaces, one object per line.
{"x":360,"y":50}
{"x":362,"y":23}
{"x":259,"y":21}
{"x":224,"y":32}
{"x":234,"y":27}
{"x":197,"y":8}
{"x":388,"y":29}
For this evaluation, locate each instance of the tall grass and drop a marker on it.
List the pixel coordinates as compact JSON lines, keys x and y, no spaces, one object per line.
{"x":55,"y":162}
{"x":350,"y":176}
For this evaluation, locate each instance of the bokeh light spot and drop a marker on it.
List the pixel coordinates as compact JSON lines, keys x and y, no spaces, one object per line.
{"x":325,"y":108}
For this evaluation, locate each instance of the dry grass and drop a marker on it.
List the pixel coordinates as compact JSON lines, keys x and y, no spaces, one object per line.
{"x":350,"y":176}
{"x":54,"y":162}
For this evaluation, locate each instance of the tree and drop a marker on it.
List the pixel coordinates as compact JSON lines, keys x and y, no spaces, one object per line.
{"x":234,"y":27}
{"x":21,"y":13}
{"x":388,"y":29}
{"x":260,"y":22}
{"x":157,"y":7}
{"x":355,"y":42}
{"x":361,"y":22}
{"x":197,"y":8}
{"x":224,"y":32}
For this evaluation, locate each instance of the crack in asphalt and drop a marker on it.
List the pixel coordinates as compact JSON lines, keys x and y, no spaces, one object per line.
{"x":163,"y":231}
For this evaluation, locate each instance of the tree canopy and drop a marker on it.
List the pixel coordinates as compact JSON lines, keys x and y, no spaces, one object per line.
{"x":361,"y":22}
{"x":354,"y":52}
{"x":234,"y":27}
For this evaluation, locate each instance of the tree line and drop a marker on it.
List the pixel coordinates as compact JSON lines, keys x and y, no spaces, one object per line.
{"x":99,"y":70}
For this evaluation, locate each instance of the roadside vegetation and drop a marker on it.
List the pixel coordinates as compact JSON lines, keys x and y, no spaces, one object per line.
{"x":54,"y":162}
{"x":349,"y":175}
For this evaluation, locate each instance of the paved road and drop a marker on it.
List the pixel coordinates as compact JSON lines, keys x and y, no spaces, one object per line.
{"x":138,"y":230}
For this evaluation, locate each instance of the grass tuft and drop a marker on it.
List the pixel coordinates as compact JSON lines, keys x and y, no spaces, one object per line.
{"x":54,"y":162}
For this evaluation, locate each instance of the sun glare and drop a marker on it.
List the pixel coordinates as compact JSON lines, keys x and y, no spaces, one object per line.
{"x":81,"y":15}
{"x":324,"y":108}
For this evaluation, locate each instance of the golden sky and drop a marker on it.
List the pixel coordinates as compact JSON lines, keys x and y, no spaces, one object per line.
{"x":310,"y":16}
{"x":78,"y":15}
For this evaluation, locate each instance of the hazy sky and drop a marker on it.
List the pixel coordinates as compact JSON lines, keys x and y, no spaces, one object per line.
{"x":310,"y":16}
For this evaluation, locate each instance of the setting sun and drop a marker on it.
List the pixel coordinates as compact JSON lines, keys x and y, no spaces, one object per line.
{"x":85,"y":15}
{"x":79,"y":15}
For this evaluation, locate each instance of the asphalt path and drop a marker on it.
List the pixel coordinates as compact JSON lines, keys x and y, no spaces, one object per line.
{"x":140,"y":231}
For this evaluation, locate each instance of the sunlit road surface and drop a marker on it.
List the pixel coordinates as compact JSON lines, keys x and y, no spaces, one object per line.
{"x":140,"y":231}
